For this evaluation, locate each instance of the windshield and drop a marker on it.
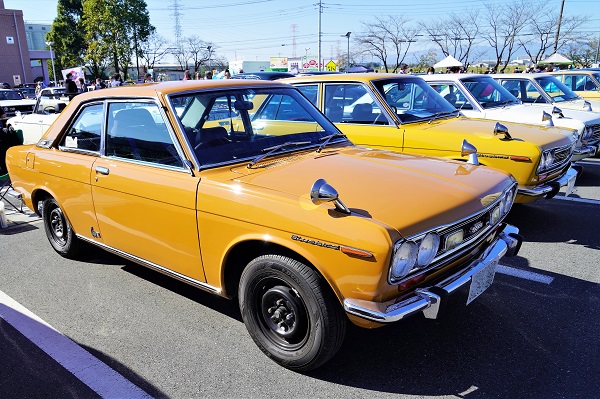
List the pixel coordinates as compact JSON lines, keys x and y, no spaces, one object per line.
{"x":556,"y":89}
{"x":413,"y":99}
{"x":239,"y":124}
{"x":488,"y":92}
{"x":10,"y":95}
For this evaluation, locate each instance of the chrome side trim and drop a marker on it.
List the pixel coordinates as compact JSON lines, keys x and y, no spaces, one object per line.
{"x":549,"y":186}
{"x":196,"y":283}
{"x":425,"y":299}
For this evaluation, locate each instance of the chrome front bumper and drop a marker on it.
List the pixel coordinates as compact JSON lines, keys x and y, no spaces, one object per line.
{"x":550,"y":188}
{"x":584,"y":152}
{"x":428,"y":300}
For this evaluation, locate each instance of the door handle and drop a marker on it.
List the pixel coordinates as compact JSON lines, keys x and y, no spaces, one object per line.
{"x":102,"y":170}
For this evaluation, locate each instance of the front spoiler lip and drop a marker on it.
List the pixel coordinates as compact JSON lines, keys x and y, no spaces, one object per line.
{"x":549,"y":186}
{"x":426,"y":300}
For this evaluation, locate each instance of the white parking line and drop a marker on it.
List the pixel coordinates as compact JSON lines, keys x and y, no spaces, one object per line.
{"x":582,"y":200}
{"x":511,"y":271}
{"x":92,"y":372}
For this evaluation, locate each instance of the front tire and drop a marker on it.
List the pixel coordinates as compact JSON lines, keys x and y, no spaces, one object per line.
{"x":290,"y":312}
{"x":59,"y":231}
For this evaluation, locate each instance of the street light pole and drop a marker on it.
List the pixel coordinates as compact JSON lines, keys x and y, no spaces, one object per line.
{"x":49,"y":44}
{"x":306,"y":55}
{"x":348,"y":60}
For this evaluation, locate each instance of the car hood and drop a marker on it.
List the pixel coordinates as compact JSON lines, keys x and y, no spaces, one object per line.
{"x":542,"y":136}
{"x":532,"y":113}
{"x":394,"y":189}
{"x":15,"y":103}
{"x":579,"y":104}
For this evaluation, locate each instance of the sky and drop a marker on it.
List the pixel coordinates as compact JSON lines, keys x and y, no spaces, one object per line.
{"x":259,"y":29}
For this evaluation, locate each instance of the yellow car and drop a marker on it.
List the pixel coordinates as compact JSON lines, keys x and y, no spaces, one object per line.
{"x":584,"y":82}
{"x":402,"y":113}
{"x":282,"y":213}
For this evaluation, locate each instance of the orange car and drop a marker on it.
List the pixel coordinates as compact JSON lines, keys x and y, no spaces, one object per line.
{"x":282,"y":213}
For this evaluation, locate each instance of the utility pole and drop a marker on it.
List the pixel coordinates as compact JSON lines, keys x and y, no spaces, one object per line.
{"x":321,"y":12}
{"x":562,"y":6}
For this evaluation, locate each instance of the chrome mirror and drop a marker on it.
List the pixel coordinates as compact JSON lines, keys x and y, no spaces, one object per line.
{"x":587,"y":105}
{"x":501,"y":129}
{"x":470,"y":150}
{"x":557,"y":111}
{"x":547,"y":117}
{"x":321,"y":192}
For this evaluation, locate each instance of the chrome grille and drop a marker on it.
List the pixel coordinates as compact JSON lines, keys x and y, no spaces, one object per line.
{"x":596,"y":134}
{"x":562,"y":155}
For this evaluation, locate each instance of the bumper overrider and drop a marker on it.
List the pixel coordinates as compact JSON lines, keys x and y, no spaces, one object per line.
{"x":429,"y":299}
{"x":551,"y":188}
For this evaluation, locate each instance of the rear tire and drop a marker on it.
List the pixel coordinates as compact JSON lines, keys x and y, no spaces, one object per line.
{"x":59,"y":231}
{"x":290,"y":312}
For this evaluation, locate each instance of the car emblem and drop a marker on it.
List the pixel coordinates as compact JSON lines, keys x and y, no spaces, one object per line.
{"x":476,"y":227}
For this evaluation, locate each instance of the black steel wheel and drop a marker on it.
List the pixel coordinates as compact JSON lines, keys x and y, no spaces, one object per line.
{"x":290,"y":312}
{"x":58,"y":230}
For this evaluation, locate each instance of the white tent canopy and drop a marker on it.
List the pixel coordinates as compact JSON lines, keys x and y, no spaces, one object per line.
{"x":556,"y":59}
{"x":448,"y":62}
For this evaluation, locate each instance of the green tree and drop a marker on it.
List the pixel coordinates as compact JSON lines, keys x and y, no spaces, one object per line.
{"x":66,"y":35}
{"x":114,"y":31}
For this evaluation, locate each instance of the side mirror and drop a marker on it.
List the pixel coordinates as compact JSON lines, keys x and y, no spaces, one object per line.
{"x":321,"y":192}
{"x":587,"y":105}
{"x":501,"y":129}
{"x":470,"y":150}
{"x":547,"y":117}
{"x":557,"y":111}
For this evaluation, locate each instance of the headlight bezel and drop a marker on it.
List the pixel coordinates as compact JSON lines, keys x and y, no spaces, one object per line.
{"x":446,"y":248}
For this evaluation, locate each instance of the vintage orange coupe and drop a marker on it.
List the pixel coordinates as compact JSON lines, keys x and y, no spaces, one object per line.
{"x":281,"y":212}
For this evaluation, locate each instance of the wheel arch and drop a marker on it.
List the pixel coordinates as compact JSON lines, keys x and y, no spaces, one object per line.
{"x":243,"y":252}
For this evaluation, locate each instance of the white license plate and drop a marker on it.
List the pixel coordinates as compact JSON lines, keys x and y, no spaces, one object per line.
{"x":570,"y":186}
{"x":481,"y":280}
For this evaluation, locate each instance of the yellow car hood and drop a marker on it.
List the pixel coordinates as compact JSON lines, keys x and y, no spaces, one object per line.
{"x":408,"y":193}
{"x":543,"y":136}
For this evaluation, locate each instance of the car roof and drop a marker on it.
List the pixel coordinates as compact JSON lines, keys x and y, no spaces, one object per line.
{"x":347,"y":77}
{"x":453,"y":76}
{"x":518,"y":75}
{"x":262,"y":75}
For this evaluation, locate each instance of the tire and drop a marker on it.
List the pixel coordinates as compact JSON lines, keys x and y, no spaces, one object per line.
{"x":59,"y":231}
{"x":290,"y":312}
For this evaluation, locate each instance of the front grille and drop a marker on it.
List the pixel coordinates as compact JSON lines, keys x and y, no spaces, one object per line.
{"x":562,"y":155}
{"x":596,"y":134}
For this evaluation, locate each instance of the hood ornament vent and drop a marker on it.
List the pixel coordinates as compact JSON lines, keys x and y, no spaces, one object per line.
{"x":322,"y":192}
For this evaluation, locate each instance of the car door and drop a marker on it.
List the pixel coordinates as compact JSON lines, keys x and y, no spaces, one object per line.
{"x":144,"y":197}
{"x":357,"y":113}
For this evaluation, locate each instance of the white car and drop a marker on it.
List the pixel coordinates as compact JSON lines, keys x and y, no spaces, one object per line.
{"x":480,"y":96}
{"x":46,"y":109}
{"x":542,"y":88}
{"x":11,"y":102}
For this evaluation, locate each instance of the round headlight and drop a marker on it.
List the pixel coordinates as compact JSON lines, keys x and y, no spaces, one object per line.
{"x":427,"y":250}
{"x":404,"y":260}
{"x":510,"y":195}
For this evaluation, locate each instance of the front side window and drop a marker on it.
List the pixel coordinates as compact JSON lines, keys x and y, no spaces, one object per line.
{"x":488,"y":92}
{"x":84,"y":134}
{"x":137,"y":131}
{"x":352,"y":103}
{"x":556,"y":89}
{"x":236,"y":124}
{"x":525,"y":91}
{"x":413,"y":99}
{"x":310,"y":91}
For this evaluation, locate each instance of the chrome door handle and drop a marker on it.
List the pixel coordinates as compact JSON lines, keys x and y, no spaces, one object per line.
{"x":102,"y":170}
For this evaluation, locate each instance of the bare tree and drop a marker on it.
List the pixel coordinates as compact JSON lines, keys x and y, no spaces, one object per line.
{"x":181,"y":55}
{"x":199,"y":52}
{"x":456,"y":35}
{"x":542,"y":32}
{"x":153,"y":49}
{"x":385,"y":38}
{"x":583,"y":54}
{"x":504,"y":24}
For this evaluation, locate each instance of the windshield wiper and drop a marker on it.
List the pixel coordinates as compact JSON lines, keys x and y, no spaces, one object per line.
{"x":438,"y":114}
{"x":327,"y":139}
{"x":270,"y":150}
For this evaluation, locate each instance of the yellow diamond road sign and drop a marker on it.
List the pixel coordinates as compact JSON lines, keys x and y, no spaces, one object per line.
{"x":331,"y":66}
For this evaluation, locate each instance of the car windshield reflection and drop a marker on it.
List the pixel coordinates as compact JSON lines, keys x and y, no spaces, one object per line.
{"x":488,"y":92}
{"x":413,"y":99}
{"x":241,"y":124}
